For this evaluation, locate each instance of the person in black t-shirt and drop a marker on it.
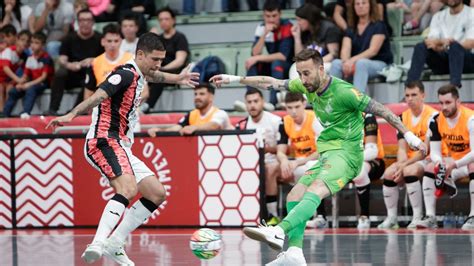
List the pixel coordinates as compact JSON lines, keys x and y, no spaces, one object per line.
{"x":177,"y":51}
{"x":75,"y":56}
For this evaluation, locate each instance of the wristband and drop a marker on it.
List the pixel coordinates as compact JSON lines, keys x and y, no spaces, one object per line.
{"x":232,"y":78}
{"x":411,"y":139}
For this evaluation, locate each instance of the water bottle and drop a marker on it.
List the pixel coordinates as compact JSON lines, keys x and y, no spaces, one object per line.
{"x":453,"y":221}
{"x":446,"y":221}
{"x":460,"y":220}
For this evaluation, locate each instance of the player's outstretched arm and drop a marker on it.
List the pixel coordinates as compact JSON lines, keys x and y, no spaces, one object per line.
{"x":81,"y":108}
{"x":379,"y":109}
{"x":259,"y":82}
{"x":184,"y":78}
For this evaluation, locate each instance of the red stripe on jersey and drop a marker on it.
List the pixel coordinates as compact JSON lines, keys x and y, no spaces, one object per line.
{"x":127,"y":106}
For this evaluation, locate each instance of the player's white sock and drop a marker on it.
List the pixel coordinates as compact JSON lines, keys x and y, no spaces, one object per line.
{"x":429,"y":196}
{"x":135,"y":216}
{"x":471,"y":192}
{"x":390,"y":197}
{"x":414,"y":195}
{"x":110,"y":217}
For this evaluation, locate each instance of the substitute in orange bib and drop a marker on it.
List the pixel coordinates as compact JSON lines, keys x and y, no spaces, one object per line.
{"x":452,"y":129}
{"x":105,"y":63}
{"x":205,"y":117}
{"x":410,"y":165}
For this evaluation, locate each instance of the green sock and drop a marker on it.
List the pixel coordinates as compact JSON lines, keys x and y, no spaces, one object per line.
{"x":295,"y":236}
{"x":301,"y":213}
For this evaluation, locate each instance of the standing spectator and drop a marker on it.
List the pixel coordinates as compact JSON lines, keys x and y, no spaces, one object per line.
{"x":129,"y":28}
{"x":77,"y":52}
{"x":275,"y":35}
{"x":448,"y":47}
{"x":313,"y":31}
{"x":365,"y":47}
{"x":39,"y":71}
{"x":54,"y":17}
{"x":15,"y":13}
{"x":177,"y":51}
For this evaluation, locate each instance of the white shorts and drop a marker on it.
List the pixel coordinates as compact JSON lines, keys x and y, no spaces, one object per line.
{"x":113,"y":158}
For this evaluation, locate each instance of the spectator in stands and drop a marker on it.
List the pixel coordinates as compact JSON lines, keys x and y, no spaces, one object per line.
{"x":39,"y":71}
{"x":451,"y":144}
{"x":10,"y":34}
{"x":418,"y":13}
{"x":365,"y":47}
{"x":177,"y":51}
{"x":77,"y":52}
{"x":205,"y":117}
{"x":315,"y":32}
{"x":448,"y":47}
{"x":4,"y":82}
{"x":53,"y":17}
{"x":410,"y":165}
{"x":16,"y":14}
{"x":372,"y":169}
{"x":129,"y":28}
{"x":267,"y":124}
{"x":274,"y":34}
{"x":143,"y":9}
{"x":102,"y":10}
{"x":78,"y":5}
{"x":296,"y":149}
{"x":103,"y":64}
{"x":340,"y":14}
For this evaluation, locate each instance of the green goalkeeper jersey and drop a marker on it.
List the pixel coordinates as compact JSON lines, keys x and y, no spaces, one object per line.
{"x":339,"y":109}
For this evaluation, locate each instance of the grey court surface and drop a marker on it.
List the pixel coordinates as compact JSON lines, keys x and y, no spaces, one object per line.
{"x":321,"y":247}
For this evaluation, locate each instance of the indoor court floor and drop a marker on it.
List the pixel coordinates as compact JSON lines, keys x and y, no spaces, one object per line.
{"x":321,"y":247}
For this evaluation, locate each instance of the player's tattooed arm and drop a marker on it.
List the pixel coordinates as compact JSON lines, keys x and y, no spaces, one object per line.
{"x":90,"y":102}
{"x":266,"y":83}
{"x":379,"y":109}
{"x":157,"y":77}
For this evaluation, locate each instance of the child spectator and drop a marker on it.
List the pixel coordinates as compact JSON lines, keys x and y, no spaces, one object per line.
{"x":39,"y":70}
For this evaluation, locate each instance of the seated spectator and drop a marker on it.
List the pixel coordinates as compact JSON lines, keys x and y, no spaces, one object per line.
{"x":78,"y":6}
{"x":365,"y":47}
{"x":313,"y":31}
{"x":76,"y":54}
{"x":4,"y":82}
{"x":448,"y":47}
{"x":341,"y":12}
{"x":142,"y":9}
{"x":268,"y":124}
{"x":103,"y":64}
{"x":39,"y":70}
{"x":14,"y":57}
{"x":53,"y":17}
{"x":274,"y":34}
{"x":16,"y":14}
{"x":417,"y":13}
{"x":205,"y":117}
{"x":177,"y":51}
{"x":129,"y":28}
{"x":10,"y":34}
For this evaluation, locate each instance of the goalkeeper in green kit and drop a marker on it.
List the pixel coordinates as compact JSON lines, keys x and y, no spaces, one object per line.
{"x":338,"y":106}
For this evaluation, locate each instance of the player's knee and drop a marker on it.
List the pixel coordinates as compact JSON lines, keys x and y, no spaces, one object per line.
{"x":470,"y":168}
{"x":129,"y":192}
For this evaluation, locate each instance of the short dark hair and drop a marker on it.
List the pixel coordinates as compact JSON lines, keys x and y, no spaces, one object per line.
{"x":166,"y":9}
{"x":294,"y":97}
{"x":204,"y":85}
{"x":307,"y":54}
{"x":85,"y":10}
{"x":131,"y":17}
{"x":271,"y":5}
{"x":39,"y":36}
{"x":148,"y":42}
{"x":24,"y":32}
{"x":9,"y":29}
{"x":415,"y":84}
{"x":111,"y":28}
{"x":251,"y":91}
{"x":449,"y":88}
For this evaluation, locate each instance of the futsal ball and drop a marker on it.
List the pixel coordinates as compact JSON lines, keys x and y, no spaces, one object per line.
{"x":205,"y":243}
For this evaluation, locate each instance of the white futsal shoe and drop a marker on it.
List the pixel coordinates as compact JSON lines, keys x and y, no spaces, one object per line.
{"x":427,"y":222}
{"x":318,"y":222}
{"x":389,"y":223}
{"x":416,"y":220}
{"x":113,"y":249}
{"x":274,"y":236}
{"x":93,"y":252}
{"x":468,"y":224}
{"x":292,"y":257}
{"x":363,"y":222}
